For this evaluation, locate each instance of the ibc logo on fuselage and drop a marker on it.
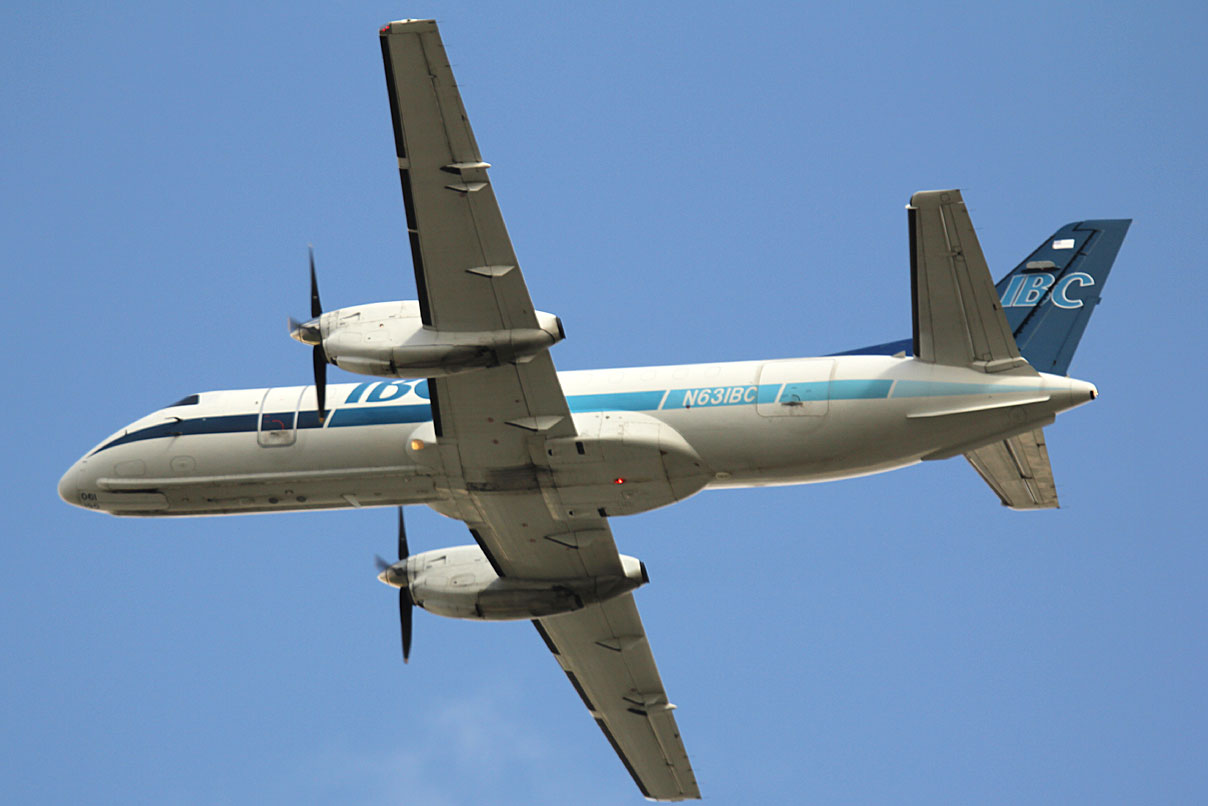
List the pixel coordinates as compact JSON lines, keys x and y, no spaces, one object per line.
{"x":1026,"y":290}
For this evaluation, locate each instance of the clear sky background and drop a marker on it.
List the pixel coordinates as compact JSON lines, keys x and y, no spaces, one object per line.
{"x":683,"y":182}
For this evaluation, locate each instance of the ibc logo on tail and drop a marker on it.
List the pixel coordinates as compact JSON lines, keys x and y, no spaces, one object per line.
{"x":1028,"y":290}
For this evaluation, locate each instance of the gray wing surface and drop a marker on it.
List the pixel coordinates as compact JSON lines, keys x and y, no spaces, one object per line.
{"x":522,"y":538}
{"x":465,"y":270}
{"x":602,"y":648}
{"x":1018,"y":471}
{"x":958,"y":318}
{"x":492,"y":425}
{"x":604,"y":652}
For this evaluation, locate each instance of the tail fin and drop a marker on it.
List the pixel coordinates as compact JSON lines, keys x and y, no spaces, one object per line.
{"x":1050,"y":296}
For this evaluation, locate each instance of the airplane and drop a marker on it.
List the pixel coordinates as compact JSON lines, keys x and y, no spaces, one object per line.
{"x":465,"y":413}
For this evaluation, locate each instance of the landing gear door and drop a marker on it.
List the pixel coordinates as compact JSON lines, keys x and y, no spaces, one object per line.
{"x":279,"y":417}
{"x":795,"y":388}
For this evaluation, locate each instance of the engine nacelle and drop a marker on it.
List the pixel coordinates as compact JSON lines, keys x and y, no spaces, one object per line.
{"x":459,"y":582}
{"x":389,"y":339}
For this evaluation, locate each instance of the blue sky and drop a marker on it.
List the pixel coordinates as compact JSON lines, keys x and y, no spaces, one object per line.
{"x":682,"y":183}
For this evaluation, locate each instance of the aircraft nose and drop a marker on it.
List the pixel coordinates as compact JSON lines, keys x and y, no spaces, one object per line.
{"x":68,"y":486}
{"x":77,"y":487}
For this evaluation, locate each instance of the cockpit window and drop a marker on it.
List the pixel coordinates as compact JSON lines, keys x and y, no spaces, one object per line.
{"x":191,"y":400}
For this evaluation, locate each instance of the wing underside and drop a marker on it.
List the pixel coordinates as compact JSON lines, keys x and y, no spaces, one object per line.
{"x":492,"y":425}
{"x":465,"y":268}
{"x":602,"y":648}
{"x":604,"y":652}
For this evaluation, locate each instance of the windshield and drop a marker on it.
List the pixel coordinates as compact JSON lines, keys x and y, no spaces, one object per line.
{"x":185,"y":401}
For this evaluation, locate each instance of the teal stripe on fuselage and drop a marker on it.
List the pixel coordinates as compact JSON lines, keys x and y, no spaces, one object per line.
{"x":944,"y":389}
{"x":616,"y":401}
{"x":817,"y":391}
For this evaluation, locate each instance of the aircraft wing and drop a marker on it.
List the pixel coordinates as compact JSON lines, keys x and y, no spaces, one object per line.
{"x":958,"y":318}
{"x":465,"y":269}
{"x":605,"y":654}
{"x":466,"y":273}
{"x":1018,"y":471}
{"x":492,"y":424}
{"x":603,"y":647}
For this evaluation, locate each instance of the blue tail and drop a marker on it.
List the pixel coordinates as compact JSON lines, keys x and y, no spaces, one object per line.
{"x":1050,"y":296}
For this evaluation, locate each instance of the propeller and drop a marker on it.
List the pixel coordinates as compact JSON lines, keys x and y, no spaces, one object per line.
{"x":397,"y":577}
{"x":310,"y":333}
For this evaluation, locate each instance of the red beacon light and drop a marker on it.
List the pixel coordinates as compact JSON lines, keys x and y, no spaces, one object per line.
{"x":618,"y":480}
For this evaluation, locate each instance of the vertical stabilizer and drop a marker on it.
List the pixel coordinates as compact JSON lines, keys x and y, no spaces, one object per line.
{"x":1050,"y":296}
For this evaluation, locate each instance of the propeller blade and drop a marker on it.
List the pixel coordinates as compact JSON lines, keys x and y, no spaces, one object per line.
{"x":404,"y":616}
{"x":320,"y":362}
{"x":381,"y":564}
{"x":316,"y":307}
{"x":402,"y":537}
{"x":314,"y":335}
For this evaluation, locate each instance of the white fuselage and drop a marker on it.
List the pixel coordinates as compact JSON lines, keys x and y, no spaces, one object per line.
{"x":751,"y":423}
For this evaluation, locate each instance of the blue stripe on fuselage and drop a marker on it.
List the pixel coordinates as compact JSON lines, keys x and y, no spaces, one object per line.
{"x":224,"y":424}
{"x":381,"y":415}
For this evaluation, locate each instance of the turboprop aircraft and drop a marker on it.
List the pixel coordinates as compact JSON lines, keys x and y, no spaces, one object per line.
{"x":466,"y":414}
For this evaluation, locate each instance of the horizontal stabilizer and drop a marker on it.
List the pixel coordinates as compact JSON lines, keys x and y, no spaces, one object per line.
{"x":958,"y":320}
{"x":1049,"y":297}
{"x":1018,"y":470}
